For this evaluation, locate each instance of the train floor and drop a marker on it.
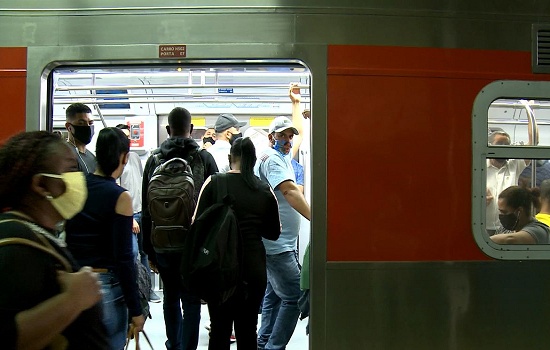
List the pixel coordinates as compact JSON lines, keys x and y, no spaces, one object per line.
{"x":155,"y":330}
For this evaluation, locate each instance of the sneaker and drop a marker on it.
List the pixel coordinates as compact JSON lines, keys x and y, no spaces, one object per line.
{"x":232,"y":339}
{"x":154,"y":298}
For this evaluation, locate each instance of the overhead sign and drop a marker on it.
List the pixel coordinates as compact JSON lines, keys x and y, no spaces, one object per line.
{"x":225,"y":90}
{"x":172,"y":51}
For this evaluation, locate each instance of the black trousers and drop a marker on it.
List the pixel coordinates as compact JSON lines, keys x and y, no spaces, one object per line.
{"x":241,"y":309}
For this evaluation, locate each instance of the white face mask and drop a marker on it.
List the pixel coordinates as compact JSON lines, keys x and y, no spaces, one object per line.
{"x":72,"y":200}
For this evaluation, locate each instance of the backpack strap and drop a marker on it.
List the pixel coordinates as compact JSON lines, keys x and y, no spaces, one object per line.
{"x":197,"y":166}
{"x":157,"y":158}
{"x":46,"y":248}
{"x":221,"y":187}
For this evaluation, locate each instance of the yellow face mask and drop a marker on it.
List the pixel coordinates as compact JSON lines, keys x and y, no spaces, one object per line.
{"x":72,"y":200}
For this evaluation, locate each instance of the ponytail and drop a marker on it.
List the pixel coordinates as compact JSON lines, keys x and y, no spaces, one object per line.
{"x":243,"y":149}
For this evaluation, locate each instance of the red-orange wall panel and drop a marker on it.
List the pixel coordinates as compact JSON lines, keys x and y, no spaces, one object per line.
{"x":399,"y":149}
{"x":13,"y":77}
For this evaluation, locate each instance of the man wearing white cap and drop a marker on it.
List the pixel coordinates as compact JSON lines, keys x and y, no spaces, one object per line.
{"x":280,"y":310}
{"x":227,"y":130}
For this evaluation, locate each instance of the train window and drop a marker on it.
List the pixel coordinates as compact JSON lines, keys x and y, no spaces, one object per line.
{"x":511,"y":147}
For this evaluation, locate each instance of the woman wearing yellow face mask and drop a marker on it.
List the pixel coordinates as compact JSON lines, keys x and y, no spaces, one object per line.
{"x":41,"y":306}
{"x":101,"y":236}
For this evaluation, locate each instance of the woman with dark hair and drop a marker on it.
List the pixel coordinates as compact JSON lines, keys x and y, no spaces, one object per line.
{"x":514,"y":206}
{"x":41,"y":306}
{"x":258,"y":216}
{"x":101,"y":236}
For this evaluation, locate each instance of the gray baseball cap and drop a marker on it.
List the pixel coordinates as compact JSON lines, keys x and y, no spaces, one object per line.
{"x":281,"y":124}
{"x":226,"y":121}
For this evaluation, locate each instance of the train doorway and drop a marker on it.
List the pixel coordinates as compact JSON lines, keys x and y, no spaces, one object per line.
{"x":143,"y":95}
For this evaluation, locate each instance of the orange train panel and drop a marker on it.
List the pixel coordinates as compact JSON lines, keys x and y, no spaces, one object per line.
{"x":399,"y":149}
{"x":13,"y":77}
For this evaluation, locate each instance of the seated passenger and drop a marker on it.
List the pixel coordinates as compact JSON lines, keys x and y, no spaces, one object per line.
{"x":514,"y":205}
{"x":39,"y":305}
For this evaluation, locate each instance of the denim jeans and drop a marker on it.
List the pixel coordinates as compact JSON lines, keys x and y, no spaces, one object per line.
{"x":115,"y":311}
{"x":182,"y":330}
{"x":135,"y":243}
{"x":280,"y":310}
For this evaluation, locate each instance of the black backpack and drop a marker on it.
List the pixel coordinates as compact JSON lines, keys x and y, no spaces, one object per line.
{"x":212,"y":255}
{"x":171,"y":199}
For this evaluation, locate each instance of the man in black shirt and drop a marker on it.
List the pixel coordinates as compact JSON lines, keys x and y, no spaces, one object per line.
{"x":182,"y":332}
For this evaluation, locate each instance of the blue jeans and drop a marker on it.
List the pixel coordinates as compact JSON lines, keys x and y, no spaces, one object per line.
{"x":182,"y":331}
{"x":138,"y":246}
{"x":135,"y":245}
{"x":115,"y":311}
{"x":280,"y":310}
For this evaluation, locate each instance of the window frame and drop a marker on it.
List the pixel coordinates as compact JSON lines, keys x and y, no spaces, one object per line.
{"x":529,"y":90}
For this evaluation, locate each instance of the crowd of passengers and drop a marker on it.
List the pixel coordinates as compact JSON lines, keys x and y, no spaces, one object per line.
{"x":516,"y":212}
{"x":74,"y":224}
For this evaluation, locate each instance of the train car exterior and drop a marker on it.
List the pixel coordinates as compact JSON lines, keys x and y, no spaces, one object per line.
{"x":399,"y":256}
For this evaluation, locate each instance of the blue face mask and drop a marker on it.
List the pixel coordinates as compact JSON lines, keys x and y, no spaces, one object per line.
{"x":279,"y":146}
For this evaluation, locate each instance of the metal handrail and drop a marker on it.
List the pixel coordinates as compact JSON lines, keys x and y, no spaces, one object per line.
{"x":518,"y":105}
{"x":133,"y":96}
{"x":533,"y":120}
{"x":176,"y":100}
{"x":175,"y":86}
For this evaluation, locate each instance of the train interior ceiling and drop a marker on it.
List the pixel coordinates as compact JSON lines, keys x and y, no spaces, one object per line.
{"x":143,"y":96}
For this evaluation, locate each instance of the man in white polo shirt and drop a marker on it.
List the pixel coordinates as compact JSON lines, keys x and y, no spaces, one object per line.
{"x":227,"y":130}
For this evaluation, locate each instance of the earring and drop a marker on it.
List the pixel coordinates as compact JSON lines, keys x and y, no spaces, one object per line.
{"x":48,"y":197}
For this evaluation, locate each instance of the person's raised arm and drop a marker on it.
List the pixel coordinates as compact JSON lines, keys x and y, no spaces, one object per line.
{"x":297,"y":118}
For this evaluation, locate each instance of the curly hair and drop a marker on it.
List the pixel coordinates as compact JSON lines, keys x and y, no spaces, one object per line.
{"x":21,"y":157}
{"x":518,"y":197}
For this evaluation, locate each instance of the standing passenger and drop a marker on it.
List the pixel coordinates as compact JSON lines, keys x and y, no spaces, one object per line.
{"x":280,"y":305}
{"x":101,"y":236}
{"x":257,"y":213}
{"x":227,"y":129}
{"x":182,"y":331}
{"x":40,"y":305}
{"x":80,"y":127}
{"x":131,"y":180}
{"x":544,"y":213}
{"x":501,"y":174}
{"x":209,"y":138}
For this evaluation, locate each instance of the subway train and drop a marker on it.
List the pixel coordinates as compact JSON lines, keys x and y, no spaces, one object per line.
{"x":402,"y":96}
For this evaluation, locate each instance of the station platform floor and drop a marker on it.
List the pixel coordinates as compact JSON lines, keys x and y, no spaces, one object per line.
{"x":156,"y":332}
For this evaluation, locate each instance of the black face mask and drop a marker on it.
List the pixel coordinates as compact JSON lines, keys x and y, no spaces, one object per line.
{"x":509,"y":221}
{"x":83,"y":133}
{"x":234,"y":137}
{"x":208,"y":139}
